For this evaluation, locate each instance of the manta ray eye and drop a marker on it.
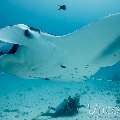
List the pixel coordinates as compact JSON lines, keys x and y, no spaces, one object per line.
{"x":27,"y":33}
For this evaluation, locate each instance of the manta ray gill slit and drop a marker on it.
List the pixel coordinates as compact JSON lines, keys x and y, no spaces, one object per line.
{"x":14,"y":49}
{"x":8,"y":48}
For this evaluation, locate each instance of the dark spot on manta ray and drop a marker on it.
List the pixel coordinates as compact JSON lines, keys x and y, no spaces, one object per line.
{"x":73,"y":77}
{"x":47,"y":79}
{"x":63,"y":66}
{"x":76,"y":68}
{"x":11,"y":110}
{"x":86,"y":67}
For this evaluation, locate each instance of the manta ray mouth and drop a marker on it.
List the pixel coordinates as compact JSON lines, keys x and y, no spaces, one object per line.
{"x":8,"y":48}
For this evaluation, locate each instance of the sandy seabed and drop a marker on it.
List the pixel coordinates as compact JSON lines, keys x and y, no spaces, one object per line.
{"x":26,"y":99}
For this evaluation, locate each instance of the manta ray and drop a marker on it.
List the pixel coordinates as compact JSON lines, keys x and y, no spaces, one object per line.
{"x":29,"y":53}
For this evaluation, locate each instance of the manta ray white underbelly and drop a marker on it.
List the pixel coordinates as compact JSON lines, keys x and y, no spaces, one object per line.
{"x":28,"y":53}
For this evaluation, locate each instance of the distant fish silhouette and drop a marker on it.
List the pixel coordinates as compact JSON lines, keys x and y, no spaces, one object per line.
{"x":62,"y":7}
{"x":29,"y":53}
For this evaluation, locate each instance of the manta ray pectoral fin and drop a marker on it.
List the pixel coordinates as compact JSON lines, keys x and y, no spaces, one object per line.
{"x":83,"y":47}
{"x":111,"y":49}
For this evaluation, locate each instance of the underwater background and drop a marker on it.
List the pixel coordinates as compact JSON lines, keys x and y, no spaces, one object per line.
{"x":22,"y":99}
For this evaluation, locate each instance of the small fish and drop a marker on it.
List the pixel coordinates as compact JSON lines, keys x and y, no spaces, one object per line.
{"x":61,"y":7}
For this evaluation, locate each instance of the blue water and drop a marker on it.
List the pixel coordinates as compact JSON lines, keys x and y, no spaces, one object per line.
{"x":28,"y":98}
{"x":44,"y":14}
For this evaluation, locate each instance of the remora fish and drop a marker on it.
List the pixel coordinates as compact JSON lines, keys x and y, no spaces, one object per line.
{"x":29,"y":53}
